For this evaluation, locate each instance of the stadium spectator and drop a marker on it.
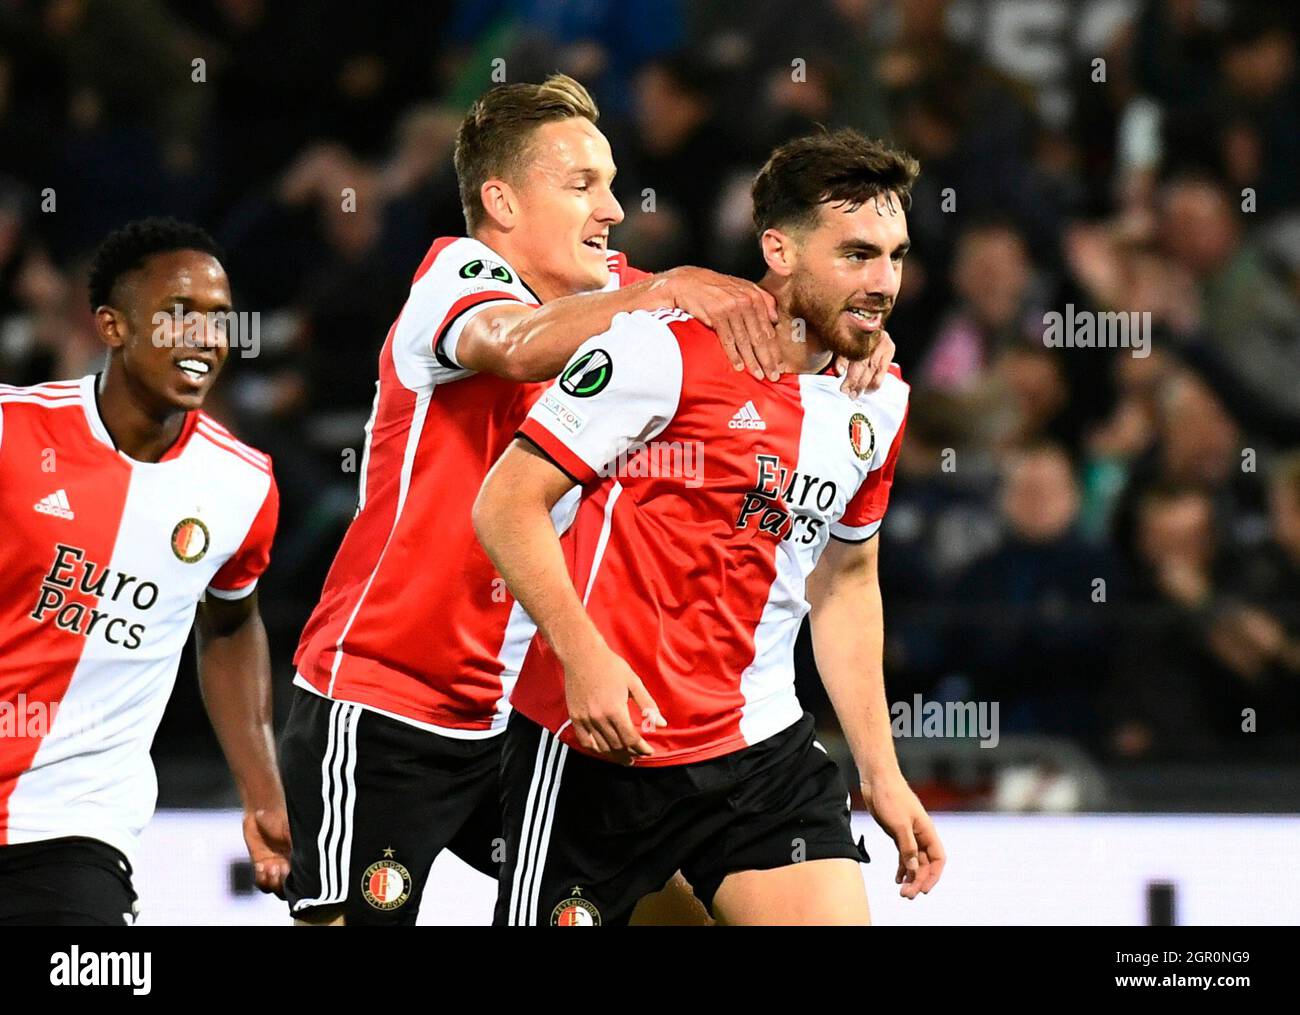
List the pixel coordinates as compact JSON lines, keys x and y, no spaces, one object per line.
{"x":1168,"y":187}
{"x":1033,"y":631}
{"x":1174,"y":692}
{"x":1246,"y":327}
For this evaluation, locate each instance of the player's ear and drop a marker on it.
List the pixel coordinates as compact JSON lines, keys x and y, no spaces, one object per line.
{"x":500,"y":202}
{"x":778,"y":251}
{"x":111,"y":326}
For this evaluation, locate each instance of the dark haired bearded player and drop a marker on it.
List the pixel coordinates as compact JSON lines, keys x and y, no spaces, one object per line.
{"x":392,"y":750}
{"x":124,"y":504}
{"x":655,"y":723}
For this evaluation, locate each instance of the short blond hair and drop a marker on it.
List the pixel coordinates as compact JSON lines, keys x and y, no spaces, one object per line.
{"x":494,"y":138}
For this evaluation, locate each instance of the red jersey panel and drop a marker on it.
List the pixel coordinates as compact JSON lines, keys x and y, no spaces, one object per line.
{"x":413,"y":620}
{"x":105,"y":559}
{"x":709,"y":498}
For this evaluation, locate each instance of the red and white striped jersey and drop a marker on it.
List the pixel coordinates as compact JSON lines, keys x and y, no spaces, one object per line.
{"x":720,"y":493}
{"x":414,"y":621}
{"x":104,"y":561}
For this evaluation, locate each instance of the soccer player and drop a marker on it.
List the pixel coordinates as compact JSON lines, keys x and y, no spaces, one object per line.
{"x":405,"y":667}
{"x":127,"y":511}
{"x":670,"y":606}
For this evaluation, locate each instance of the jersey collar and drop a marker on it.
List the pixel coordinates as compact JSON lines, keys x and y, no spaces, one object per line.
{"x":90,"y":405}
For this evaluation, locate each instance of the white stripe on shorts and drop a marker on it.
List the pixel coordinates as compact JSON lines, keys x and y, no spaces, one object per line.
{"x":338,"y":800}
{"x":539,"y":813}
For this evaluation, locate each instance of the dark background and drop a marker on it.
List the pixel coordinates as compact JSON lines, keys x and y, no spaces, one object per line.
{"x":1161,"y":180}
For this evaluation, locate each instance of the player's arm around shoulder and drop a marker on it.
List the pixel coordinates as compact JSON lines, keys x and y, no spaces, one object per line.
{"x":848,"y":642}
{"x":523,"y":343}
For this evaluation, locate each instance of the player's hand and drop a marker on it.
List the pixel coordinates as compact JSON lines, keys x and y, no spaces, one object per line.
{"x":920,"y":853}
{"x":596,"y":690}
{"x":866,"y":374}
{"x":743,"y":314}
{"x":266,"y":833}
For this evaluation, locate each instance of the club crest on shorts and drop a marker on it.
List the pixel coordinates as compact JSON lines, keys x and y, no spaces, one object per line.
{"x":588,"y":375}
{"x":862,"y":436}
{"x":386,"y":884}
{"x":575,"y":911}
{"x":190,"y":540}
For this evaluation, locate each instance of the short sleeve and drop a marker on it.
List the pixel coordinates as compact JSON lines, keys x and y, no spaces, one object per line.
{"x":620,"y":389}
{"x":459,"y":278}
{"x":238,"y":576}
{"x":866,"y":510}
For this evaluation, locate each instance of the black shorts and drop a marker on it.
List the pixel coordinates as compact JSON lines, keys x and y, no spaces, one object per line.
{"x":66,"y":882}
{"x":586,"y":839}
{"x":373,"y":800}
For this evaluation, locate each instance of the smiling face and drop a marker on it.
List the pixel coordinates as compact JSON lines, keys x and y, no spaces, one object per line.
{"x":563,"y":208}
{"x":845,"y":270}
{"x":170,"y":357}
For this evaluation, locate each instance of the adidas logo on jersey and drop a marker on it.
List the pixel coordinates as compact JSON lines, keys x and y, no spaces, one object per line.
{"x":55,"y":504}
{"x":747,"y":418}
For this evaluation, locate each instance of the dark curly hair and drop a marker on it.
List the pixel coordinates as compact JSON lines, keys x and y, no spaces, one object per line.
{"x":126,"y":249}
{"x":828,"y":167}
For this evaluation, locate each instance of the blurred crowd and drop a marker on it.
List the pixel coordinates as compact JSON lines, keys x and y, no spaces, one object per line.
{"x":1104,"y":540}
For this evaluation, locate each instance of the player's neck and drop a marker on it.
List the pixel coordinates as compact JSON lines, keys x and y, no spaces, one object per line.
{"x":138,"y":433}
{"x":536,"y":281}
{"x":801,"y":350}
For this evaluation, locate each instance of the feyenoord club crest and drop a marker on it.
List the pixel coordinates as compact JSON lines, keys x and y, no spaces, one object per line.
{"x":386,"y":884}
{"x":862,"y":435}
{"x":575,"y":911}
{"x":190,"y":540}
{"x":588,"y":374}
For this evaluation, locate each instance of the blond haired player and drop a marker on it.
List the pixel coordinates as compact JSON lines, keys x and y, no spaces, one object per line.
{"x":405,"y":667}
